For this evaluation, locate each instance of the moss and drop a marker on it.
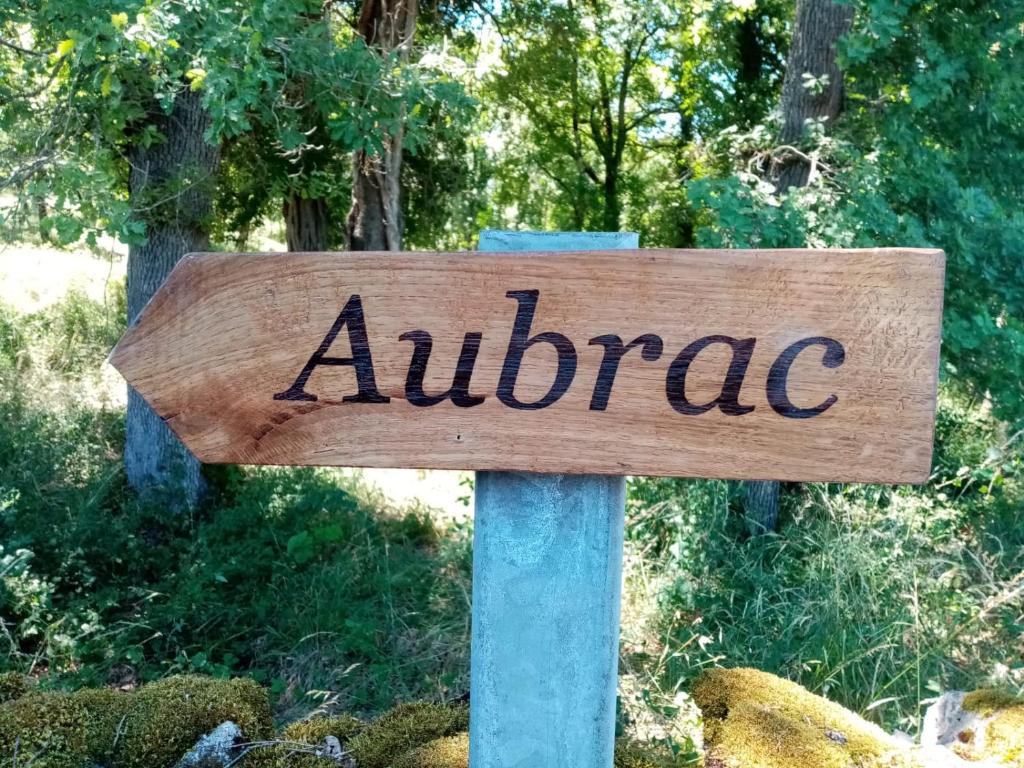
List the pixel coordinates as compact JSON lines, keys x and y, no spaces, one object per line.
{"x":1003,"y":738}
{"x":106,"y":713}
{"x":629,"y":754}
{"x":316,"y":730}
{"x":313,"y":732}
{"x":446,"y":752}
{"x":453,"y":752}
{"x":13,"y":685}
{"x":150,"y":728}
{"x":756,"y":720}
{"x":47,"y":730}
{"x":405,"y":728}
{"x":166,"y":718}
{"x":988,"y":701}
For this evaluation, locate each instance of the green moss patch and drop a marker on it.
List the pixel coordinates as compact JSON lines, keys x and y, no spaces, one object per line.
{"x":166,"y":718}
{"x":988,"y":701}
{"x":45,"y":730}
{"x":149,"y":728}
{"x":311,"y":733}
{"x":756,"y":720}
{"x":453,"y":752}
{"x":447,"y":752}
{"x":404,"y":728}
{"x":13,"y":685}
{"x":1002,"y":739}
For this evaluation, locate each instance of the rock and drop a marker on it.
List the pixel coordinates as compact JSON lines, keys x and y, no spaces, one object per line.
{"x":215,"y":749}
{"x":984,"y":728}
{"x":332,"y":748}
{"x":946,"y":719}
{"x":756,"y":720}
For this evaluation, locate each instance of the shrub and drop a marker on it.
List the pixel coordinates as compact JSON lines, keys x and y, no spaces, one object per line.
{"x":878,"y":597}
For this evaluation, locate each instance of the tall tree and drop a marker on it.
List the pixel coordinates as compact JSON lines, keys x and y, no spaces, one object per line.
{"x":584,"y":82}
{"x":307,"y":204}
{"x":812,"y":91}
{"x":170,"y":184}
{"x":375,"y":219}
{"x":813,"y":88}
{"x":116,"y":113}
{"x":918,"y":159}
{"x":738,"y":63}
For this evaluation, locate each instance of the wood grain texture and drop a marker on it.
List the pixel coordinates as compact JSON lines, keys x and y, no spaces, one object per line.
{"x":228,"y":331}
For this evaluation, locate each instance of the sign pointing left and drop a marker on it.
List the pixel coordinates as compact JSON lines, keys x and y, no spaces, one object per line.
{"x":797,"y":365}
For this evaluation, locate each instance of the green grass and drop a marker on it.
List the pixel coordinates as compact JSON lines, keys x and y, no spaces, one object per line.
{"x":879,"y":597}
{"x":298,"y":578}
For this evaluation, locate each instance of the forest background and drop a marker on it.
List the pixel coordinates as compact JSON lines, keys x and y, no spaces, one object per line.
{"x":134,"y":132}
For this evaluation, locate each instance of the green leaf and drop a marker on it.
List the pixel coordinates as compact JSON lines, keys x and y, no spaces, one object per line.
{"x":64,"y":47}
{"x":300,"y":547}
{"x":196,"y":77}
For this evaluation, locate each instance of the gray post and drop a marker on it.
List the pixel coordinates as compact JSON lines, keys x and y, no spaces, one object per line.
{"x":547,"y":581}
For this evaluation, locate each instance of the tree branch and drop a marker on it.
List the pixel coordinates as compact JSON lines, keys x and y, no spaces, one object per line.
{"x":19,"y":49}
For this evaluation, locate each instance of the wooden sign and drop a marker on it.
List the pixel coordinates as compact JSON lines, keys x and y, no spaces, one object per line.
{"x":791,"y":364}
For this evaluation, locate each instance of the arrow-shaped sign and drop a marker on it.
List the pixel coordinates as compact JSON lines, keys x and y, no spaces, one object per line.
{"x":796,"y":364}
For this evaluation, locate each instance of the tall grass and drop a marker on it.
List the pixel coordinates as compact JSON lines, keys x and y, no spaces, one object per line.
{"x":878,"y":597}
{"x":299,"y":578}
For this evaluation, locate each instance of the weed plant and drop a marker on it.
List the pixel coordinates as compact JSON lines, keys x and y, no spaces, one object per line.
{"x":298,"y":578}
{"x":878,"y":597}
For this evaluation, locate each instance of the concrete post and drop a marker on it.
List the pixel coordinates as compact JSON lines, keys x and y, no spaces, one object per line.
{"x":547,"y":581}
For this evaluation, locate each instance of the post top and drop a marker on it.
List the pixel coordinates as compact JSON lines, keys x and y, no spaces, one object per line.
{"x":503,"y":239}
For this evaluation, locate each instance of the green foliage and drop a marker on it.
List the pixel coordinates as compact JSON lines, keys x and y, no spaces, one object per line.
{"x":444,"y":181}
{"x":918,"y":159}
{"x":287,"y":84}
{"x":291,"y":576}
{"x":69,"y":338}
{"x":877,"y":597}
{"x":584,"y":103}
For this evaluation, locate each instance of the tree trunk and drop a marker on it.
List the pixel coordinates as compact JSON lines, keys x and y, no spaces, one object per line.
{"x":375,"y":219}
{"x":750,"y":72}
{"x":612,"y":209}
{"x":170,"y":186}
{"x":761,"y":506}
{"x":306,"y":223}
{"x":819,"y":25}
